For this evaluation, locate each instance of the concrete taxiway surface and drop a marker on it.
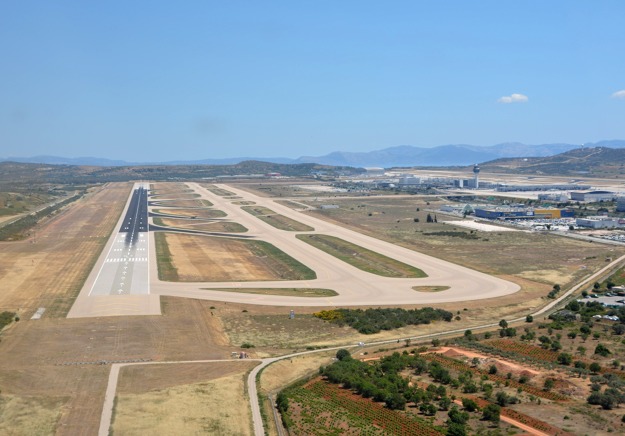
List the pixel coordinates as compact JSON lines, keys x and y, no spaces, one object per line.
{"x":355,"y":287}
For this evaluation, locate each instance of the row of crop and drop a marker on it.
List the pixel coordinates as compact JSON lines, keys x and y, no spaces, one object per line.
{"x":539,"y":353}
{"x":527,"y":388}
{"x":489,"y":349}
{"x":525,"y":350}
{"x":391,"y":421}
{"x":311,"y":414}
{"x":523,"y":418}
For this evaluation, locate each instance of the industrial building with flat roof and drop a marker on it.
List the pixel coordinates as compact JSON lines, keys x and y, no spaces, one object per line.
{"x":522,"y":213}
{"x":601,"y":222}
{"x":562,"y":187}
{"x":593,"y":196}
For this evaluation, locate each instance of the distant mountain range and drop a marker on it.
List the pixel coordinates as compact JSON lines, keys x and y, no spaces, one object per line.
{"x":399,"y":156}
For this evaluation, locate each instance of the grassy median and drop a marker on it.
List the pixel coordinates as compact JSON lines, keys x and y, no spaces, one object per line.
{"x":362,"y":258}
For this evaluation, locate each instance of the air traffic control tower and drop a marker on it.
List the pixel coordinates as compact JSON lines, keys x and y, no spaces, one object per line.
{"x":476,"y":176}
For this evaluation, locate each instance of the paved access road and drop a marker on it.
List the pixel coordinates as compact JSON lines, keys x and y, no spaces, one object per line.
{"x":355,"y":287}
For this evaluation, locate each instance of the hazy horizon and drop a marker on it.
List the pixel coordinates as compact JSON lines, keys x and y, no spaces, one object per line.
{"x":155,"y":81}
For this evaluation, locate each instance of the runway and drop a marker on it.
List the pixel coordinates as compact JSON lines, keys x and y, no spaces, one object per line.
{"x":125,"y":279}
{"x":120,"y":281}
{"x":126,"y":268}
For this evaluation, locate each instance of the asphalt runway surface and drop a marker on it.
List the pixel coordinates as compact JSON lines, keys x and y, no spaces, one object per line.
{"x":126,"y":268}
{"x":119,"y":283}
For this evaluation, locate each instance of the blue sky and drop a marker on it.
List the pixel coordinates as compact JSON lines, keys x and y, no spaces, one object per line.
{"x":162,"y":80}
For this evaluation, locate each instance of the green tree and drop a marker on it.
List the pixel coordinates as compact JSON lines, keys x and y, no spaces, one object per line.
{"x":282,"y":402}
{"x":444,"y":403}
{"x":602,"y":350}
{"x":456,"y":429}
{"x":529,"y":318}
{"x":491,"y":413}
{"x":343,"y":354}
{"x":428,"y":409}
{"x":565,"y":359}
{"x":503,"y":324}
{"x":469,"y":405}
{"x":395,"y":401}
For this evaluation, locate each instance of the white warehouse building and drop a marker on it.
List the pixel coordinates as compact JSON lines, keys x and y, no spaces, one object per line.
{"x":593,"y":196}
{"x":601,"y":222}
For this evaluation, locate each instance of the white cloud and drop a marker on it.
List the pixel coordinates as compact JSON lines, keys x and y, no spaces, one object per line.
{"x":619,"y":94}
{"x":513,"y":98}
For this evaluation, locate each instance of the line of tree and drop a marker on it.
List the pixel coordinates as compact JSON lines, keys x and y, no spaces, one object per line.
{"x":17,"y":229}
{"x":371,"y":321}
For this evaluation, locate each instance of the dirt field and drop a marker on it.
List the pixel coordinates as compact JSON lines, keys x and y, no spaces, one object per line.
{"x":70,"y":397}
{"x":540,"y":257}
{"x":230,"y":260}
{"x":48,"y":270}
{"x":202,"y":398}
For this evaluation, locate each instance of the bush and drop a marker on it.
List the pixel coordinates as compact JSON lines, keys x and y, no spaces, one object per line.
{"x":247,"y":345}
{"x":7,"y":318}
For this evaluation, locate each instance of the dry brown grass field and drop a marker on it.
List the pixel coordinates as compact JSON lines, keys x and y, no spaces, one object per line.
{"x":230,"y":260}
{"x":164,"y":188}
{"x":48,"y":269}
{"x":217,"y":226}
{"x":179,"y":203}
{"x":538,"y":257}
{"x":199,"y":213}
{"x":204,"y":398}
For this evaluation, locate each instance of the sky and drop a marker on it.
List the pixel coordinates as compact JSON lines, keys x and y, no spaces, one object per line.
{"x":161,"y":80}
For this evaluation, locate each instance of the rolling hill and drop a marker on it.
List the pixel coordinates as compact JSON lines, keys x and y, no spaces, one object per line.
{"x":587,"y":161}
